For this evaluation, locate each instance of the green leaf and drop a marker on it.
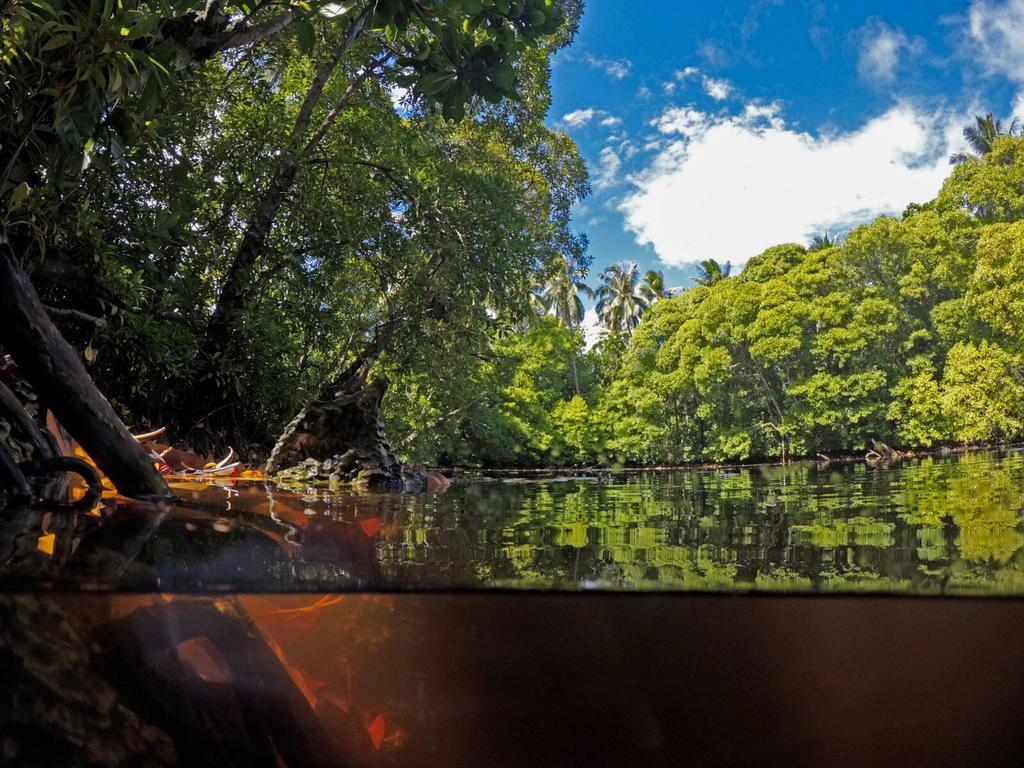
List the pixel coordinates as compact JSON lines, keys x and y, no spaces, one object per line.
{"x":18,"y":196}
{"x":57,"y":41}
{"x":305,"y":35}
{"x":503,"y":76}
{"x":434,"y":83}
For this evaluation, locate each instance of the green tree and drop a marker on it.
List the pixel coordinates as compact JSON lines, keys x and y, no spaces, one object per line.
{"x":563,"y":295}
{"x":983,"y":393}
{"x":137,"y":68}
{"x":823,"y":241}
{"x":562,"y":298}
{"x":653,"y":286}
{"x":981,"y":137}
{"x":710,"y":272}
{"x":621,"y":298}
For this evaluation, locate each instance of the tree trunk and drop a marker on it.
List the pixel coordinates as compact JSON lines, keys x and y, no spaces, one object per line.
{"x":58,"y":376}
{"x":234,"y":293}
{"x":344,"y":435}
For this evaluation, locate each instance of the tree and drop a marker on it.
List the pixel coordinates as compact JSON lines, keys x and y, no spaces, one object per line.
{"x":711,"y":272}
{"x":823,"y":241}
{"x":562,"y":295}
{"x":982,"y":135}
{"x":621,"y":299}
{"x":982,"y":393}
{"x":653,"y":286}
{"x":123,"y":61}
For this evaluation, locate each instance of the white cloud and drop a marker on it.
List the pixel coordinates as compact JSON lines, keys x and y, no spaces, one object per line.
{"x":399,"y":98}
{"x":997,"y":32}
{"x":881,"y":49}
{"x":608,"y":165}
{"x":579,"y":117}
{"x":717,"y":89}
{"x":582,"y":117}
{"x":592,"y":329}
{"x":727,"y":187}
{"x":686,"y":73}
{"x":683,"y":120}
{"x":617,"y":69}
{"x":756,"y":111}
{"x":713,"y":53}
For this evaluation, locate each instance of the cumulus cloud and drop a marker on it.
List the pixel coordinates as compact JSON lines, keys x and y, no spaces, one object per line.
{"x":996,"y":30}
{"x":717,"y":89}
{"x":608,"y":165}
{"x":881,"y":49}
{"x":770,"y":113}
{"x":399,"y":98}
{"x":727,"y":187}
{"x":686,"y":73}
{"x":617,"y":69}
{"x":579,"y":117}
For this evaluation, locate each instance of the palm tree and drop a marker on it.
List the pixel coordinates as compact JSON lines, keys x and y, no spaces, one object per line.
{"x":982,"y":136}
{"x":561,"y":296}
{"x":621,"y":300}
{"x":711,"y":272}
{"x":653,"y":286}
{"x":823,"y":241}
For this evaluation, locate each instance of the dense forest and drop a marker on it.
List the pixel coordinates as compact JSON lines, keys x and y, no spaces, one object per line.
{"x":227,"y":209}
{"x":906,"y":332}
{"x":230,"y":210}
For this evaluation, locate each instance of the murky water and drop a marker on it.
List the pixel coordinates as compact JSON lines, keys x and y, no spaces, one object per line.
{"x":273,"y":657}
{"x":925,"y":526}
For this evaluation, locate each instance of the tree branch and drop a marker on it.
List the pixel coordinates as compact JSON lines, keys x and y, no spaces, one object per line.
{"x":73,"y":315}
{"x":439,"y":421}
{"x":244,"y":34}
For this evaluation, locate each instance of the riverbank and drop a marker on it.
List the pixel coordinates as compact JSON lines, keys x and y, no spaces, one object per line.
{"x":820,"y":460}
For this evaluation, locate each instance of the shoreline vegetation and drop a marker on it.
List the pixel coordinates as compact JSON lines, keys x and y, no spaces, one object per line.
{"x":467,"y":472}
{"x":345,"y":228}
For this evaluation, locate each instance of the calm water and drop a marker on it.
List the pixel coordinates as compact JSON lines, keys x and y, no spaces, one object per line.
{"x":925,"y":526}
{"x":271,"y":658}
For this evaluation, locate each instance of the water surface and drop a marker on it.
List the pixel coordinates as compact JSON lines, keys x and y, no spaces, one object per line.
{"x":922,"y":526}
{"x":211,"y":662}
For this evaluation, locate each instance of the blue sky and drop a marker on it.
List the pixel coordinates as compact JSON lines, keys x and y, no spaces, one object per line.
{"x":714,"y":130}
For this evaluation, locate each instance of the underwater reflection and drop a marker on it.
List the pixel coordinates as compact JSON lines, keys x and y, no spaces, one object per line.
{"x":924,"y":526}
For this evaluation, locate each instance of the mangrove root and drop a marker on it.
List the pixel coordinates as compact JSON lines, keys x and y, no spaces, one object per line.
{"x":58,"y":376}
